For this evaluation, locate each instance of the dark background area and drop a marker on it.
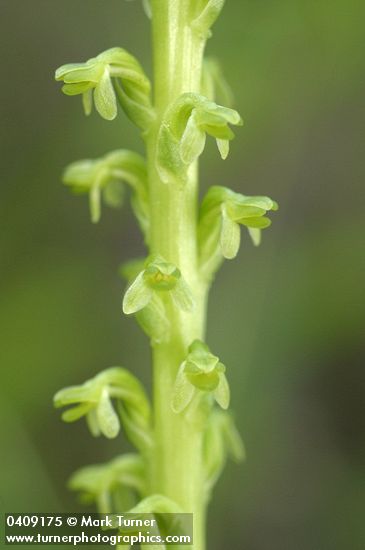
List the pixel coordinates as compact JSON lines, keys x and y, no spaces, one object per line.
{"x":287,"y":318}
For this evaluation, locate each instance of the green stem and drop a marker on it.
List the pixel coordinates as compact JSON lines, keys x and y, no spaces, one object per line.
{"x":178,"y":473}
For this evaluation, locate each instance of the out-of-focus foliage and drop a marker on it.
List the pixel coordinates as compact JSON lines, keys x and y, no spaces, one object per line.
{"x":292,"y":337}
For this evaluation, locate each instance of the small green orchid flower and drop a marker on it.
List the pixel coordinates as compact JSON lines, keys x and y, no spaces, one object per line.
{"x":221,"y":214}
{"x":104,"y":484}
{"x":183,"y":132}
{"x":207,"y":118}
{"x":200,"y":372}
{"x":152,"y":318}
{"x":93,"y":399}
{"x":93,"y":79}
{"x":159,"y":276}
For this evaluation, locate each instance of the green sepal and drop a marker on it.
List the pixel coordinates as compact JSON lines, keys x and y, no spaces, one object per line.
{"x":75,"y":413}
{"x":137,"y":296}
{"x":183,"y":391}
{"x":222,"y":393}
{"x":77,"y":89}
{"x":101,"y":483}
{"x":183,"y":131}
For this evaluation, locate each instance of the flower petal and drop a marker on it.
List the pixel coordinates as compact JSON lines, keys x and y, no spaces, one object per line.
{"x":92,"y":423}
{"x":104,"y":97}
{"x":230,"y":236}
{"x":108,"y":420}
{"x":192,"y":142}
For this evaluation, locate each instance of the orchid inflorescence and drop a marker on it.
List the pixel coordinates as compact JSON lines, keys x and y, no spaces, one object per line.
{"x":167,"y":290}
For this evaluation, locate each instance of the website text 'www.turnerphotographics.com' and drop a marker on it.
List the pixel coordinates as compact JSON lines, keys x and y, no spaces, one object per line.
{"x":95,"y":529}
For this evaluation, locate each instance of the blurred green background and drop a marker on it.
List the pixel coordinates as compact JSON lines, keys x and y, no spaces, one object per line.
{"x":287,"y":318}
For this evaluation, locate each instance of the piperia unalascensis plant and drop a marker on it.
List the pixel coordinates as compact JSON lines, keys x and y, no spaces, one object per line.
{"x":184,"y":436}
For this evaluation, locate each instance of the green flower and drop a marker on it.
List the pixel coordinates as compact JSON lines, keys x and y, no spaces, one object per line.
{"x":93,"y":80}
{"x":93,"y":399}
{"x":152,"y":318}
{"x":109,"y":484}
{"x":221,"y":214}
{"x":183,"y":132}
{"x":207,"y":118}
{"x":105,"y":178}
{"x":158,"y":277}
{"x":200,"y":372}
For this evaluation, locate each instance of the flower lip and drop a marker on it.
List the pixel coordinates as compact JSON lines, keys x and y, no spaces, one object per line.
{"x":161,"y":275}
{"x":205,"y":381}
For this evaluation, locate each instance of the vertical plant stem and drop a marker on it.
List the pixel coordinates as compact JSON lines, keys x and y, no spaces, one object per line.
{"x":178,"y":458}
